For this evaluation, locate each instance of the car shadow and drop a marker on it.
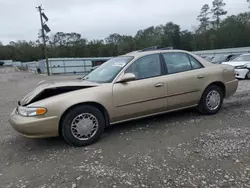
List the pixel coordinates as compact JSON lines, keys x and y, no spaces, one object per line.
{"x":56,"y":142}
{"x":150,"y":123}
{"x":154,"y":121}
{"x":41,"y":144}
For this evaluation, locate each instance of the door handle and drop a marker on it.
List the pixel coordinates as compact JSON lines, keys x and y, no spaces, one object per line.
{"x":200,"y":76}
{"x":159,"y":85}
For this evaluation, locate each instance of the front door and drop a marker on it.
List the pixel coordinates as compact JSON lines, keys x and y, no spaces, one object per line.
{"x":146,"y":95}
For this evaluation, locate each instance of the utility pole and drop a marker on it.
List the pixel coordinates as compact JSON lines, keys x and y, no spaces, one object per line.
{"x":46,"y":28}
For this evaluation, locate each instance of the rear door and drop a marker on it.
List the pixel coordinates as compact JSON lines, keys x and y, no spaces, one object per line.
{"x":185,"y":79}
{"x":143,"y":96}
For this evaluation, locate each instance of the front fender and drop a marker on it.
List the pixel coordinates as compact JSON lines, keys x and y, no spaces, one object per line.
{"x":57,"y":105}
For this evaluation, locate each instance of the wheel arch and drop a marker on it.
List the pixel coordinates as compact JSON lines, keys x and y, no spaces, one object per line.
{"x":219,"y":84}
{"x":95,"y":104}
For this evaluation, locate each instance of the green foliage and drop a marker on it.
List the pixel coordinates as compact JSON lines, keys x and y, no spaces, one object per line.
{"x":218,"y":11}
{"x":203,"y":18}
{"x":233,"y":31}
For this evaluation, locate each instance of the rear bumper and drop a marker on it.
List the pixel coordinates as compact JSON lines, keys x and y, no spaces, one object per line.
{"x":241,"y":73}
{"x":34,"y":127}
{"x":231,"y":88}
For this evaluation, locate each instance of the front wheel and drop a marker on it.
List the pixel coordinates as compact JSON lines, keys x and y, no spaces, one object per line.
{"x":82,"y":125}
{"x":211,"y":100}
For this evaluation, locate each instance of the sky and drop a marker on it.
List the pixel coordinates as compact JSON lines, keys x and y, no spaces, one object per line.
{"x":96,"y":19}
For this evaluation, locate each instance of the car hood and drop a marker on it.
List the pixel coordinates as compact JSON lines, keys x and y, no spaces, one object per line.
{"x":236,"y":63}
{"x":46,"y":89}
{"x":67,"y":83}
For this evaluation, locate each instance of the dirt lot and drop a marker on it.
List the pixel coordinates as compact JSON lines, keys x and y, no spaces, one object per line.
{"x":181,"y":149}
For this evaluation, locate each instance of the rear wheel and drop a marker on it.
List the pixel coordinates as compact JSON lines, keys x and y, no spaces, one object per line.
{"x":82,"y":125}
{"x":211,"y":100}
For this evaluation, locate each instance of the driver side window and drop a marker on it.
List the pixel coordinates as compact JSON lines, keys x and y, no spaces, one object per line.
{"x":146,"y":67}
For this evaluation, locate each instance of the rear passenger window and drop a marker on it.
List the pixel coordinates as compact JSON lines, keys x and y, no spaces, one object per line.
{"x":177,"y":62}
{"x":195,"y":63}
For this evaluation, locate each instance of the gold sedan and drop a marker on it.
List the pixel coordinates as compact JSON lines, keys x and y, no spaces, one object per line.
{"x":128,"y":87}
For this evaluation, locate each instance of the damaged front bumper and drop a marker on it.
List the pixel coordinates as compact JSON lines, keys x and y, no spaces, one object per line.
{"x":241,"y":73}
{"x":35,"y":127}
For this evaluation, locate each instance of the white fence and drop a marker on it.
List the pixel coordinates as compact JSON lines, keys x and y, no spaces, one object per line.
{"x":83,"y":65}
{"x":223,"y":51}
{"x":60,"y":65}
{"x":71,"y":65}
{"x":63,"y":65}
{"x":31,"y":66}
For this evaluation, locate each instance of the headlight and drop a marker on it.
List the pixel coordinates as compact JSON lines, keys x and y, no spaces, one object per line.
{"x":31,"y":111}
{"x":242,"y":66}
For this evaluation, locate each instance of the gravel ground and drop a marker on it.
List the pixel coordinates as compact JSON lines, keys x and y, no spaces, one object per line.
{"x":182,"y":149}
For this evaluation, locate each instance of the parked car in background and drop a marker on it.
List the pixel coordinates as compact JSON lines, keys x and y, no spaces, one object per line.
{"x":232,"y":57}
{"x":218,"y":59}
{"x":241,"y":65}
{"x":208,"y":58}
{"x":128,"y":87}
{"x":1,"y":63}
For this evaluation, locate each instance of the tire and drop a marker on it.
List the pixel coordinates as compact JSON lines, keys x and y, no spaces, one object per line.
{"x":203,"y":106}
{"x":90,"y":114}
{"x":248,"y":75}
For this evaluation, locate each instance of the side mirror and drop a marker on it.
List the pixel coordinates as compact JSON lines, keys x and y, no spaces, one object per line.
{"x":127,"y":78}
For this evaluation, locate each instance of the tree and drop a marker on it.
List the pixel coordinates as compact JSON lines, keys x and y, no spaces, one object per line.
{"x":186,"y":38}
{"x":233,"y":31}
{"x":150,"y":36}
{"x":218,"y":11}
{"x":114,"y":40}
{"x":127,"y":44}
{"x":172,"y":35}
{"x":237,"y":28}
{"x":203,"y":18}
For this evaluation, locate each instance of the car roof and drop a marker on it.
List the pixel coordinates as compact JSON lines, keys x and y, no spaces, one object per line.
{"x":138,"y":54}
{"x":143,"y":53}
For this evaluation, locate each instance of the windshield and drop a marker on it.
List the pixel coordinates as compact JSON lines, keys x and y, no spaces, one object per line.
{"x":108,"y":70}
{"x":242,"y":58}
